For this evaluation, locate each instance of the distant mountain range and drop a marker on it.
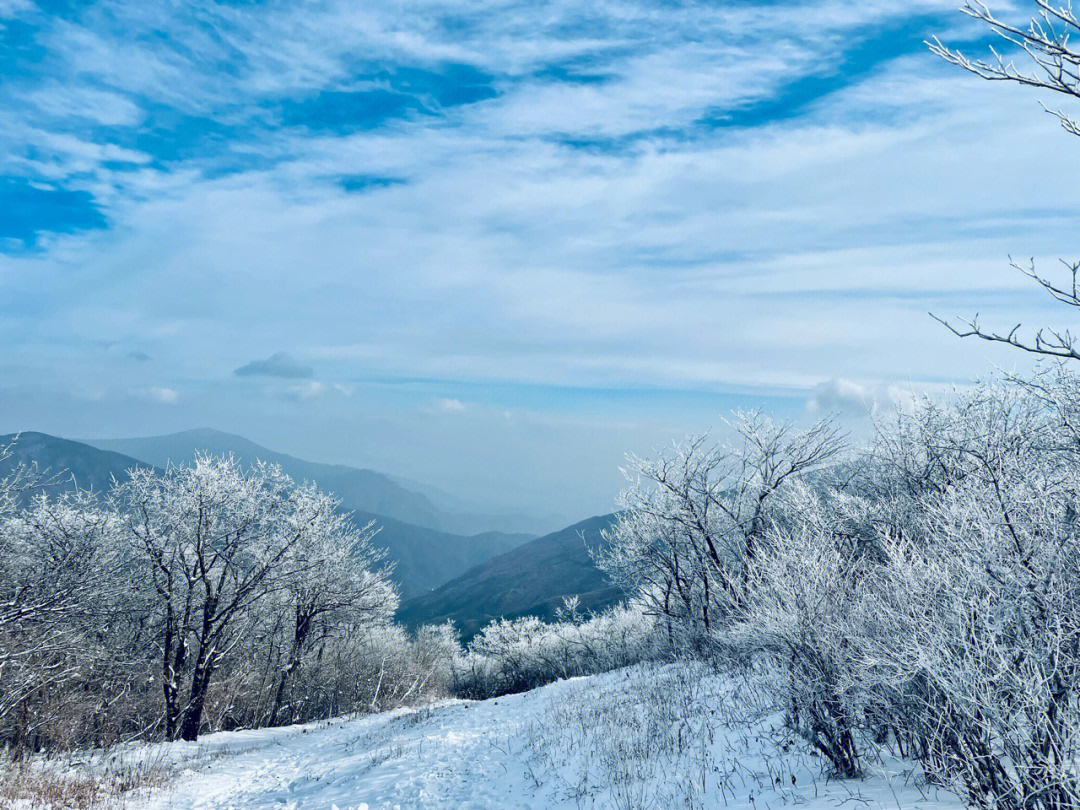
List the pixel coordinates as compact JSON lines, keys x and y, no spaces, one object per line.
{"x":359,"y":489}
{"x":470,"y":578}
{"x":530,"y":580}
{"x":424,"y":558}
{"x":66,"y":464}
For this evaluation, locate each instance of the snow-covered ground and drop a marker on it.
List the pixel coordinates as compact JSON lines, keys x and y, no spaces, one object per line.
{"x":580,"y":743}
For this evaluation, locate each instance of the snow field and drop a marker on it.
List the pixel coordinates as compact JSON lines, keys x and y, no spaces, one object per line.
{"x":666,"y":737}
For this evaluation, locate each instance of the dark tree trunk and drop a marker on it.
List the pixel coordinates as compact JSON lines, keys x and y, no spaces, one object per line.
{"x":200,"y":682}
{"x":174,"y":659}
{"x":204,"y":669}
{"x":300,"y":633}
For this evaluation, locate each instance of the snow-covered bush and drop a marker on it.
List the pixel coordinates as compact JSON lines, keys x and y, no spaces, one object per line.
{"x":365,"y":666}
{"x":692,"y":520}
{"x":924,"y":595}
{"x":978,"y":617}
{"x":517,"y":655}
{"x":71,"y":635}
{"x":804,"y":599}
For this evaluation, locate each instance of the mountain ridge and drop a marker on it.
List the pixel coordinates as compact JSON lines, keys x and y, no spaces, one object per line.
{"x":529,"y":580}
{"x":359,"y":488}
{"x":64,"y":463}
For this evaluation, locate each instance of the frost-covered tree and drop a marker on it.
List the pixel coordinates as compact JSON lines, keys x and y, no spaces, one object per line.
{"x":214,"y":540}
{"x":209,"y":596}
{"x":803,"y":601}
{"x":333,"y":587}
{"x":922,"y":595}
{"x":693,"y":518}
{"x":979,"y":622}
{"x":62,"y":586}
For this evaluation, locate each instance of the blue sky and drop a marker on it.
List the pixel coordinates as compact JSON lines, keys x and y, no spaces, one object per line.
{"x":496,"y":245}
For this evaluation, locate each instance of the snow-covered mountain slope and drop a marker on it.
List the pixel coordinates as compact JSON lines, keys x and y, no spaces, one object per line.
{"x":587,"y":742}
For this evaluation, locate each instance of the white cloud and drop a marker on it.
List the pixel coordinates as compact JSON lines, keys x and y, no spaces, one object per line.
{"x":847,"y":398}
{"x":308,"y":390}
{"x":167,"y":395}
{"x":452,"y":405}
{"x":838,"y":395}
{"x":79,"y":101}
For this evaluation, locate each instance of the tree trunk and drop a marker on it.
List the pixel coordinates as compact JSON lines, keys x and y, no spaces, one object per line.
{"x":173,"y":662}
{"x":300,"y":634}
{"x":200,"y":678}
{"x":200,"y":681}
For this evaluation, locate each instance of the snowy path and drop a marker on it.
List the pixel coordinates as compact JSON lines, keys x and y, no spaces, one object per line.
{"x":477,"y":755}
{"x":451,"y":755}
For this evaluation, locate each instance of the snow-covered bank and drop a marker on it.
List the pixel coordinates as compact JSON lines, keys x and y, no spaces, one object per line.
{"x":573,"y":744}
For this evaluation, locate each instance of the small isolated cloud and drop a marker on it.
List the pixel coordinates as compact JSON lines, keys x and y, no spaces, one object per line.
{"x":141,"y":356}
{"x":840,"y":396}
{"x":280,"y":364}
{"x":168,"y":395}
{"x":308,"y":390}
{"x":451,"y":406}
{"x":850,"y":398}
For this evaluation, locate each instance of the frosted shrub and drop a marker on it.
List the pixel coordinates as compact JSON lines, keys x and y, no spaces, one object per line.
{"x":985,"y":636}
{"x":802,"y":599}
{"x":70,"y":630}
{"x":923,"y":596}
{"x":514,"y":656}
{"x":692,"y":521}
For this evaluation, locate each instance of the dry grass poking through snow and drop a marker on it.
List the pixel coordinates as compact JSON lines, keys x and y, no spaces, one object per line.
{"x":681,"y":737}
{"x":88,"y":784}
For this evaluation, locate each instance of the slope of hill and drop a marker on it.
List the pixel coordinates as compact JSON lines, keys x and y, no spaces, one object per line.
{"x":424,"y":558}
{"x":359,"y":489}
{"x":598,"y":742}
{"x":531,"y":579}
{"x":65,"y":464}
{"x":364,"y":490}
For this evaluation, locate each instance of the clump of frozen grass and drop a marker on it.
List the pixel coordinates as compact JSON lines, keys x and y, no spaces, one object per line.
{"x":69,"y":783}
{"x":663,"y":737}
